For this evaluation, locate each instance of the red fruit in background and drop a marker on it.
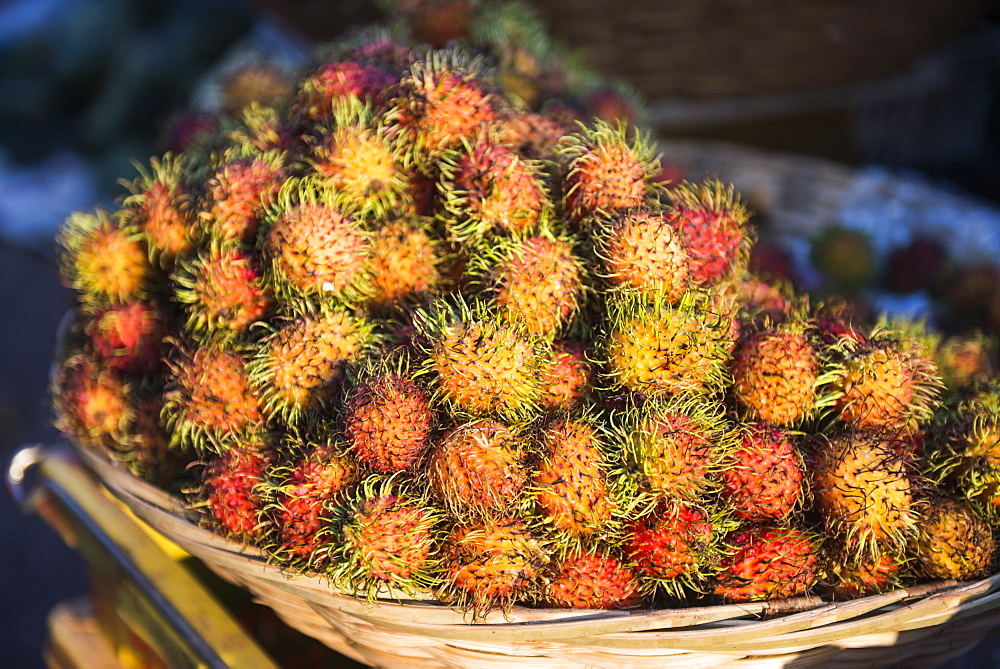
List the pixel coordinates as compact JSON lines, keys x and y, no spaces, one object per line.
{"x":771,"y":262}
{"x":916,"y":266}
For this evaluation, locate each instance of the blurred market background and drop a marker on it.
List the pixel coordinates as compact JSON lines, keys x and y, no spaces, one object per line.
{"x":894,"y":105}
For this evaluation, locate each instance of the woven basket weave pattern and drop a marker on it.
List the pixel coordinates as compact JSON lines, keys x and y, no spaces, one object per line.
{"x":922,"y":626}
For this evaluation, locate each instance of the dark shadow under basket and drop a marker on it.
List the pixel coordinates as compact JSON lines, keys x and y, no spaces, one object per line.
{"x":921,"y":626}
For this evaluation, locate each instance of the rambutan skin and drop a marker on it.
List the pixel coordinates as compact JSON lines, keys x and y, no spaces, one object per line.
{"x":129,"y":337}
{"x":305,"y":493}
{"x":483,"y":368}
{"x":223,"y":289}
{"x":404,"y":264}
{"x":539,"y":285}
{"x":339,"y":81}
{"x":208,"y":401}
{"x":316,"y":249}
{"x":570,"y":483}
{"x":775,"y":376}
{"x":230,"y":488}
{"x":162,"y":206}
{"x":641,"y":252}
{"x":237,"y":196}
{"x":667,"y":351}
{"x":764,"y":477}
{"x":888,"y":384}
{"x":492,"y":192}
{"x":104,"y":258}
{"x":569,"y":381}
{"x":389,"y":537}
{"x":437,"y":104}
{"x":952,"y":542}
{"x":477,"y":469}
{"x":94,"y":404}
{"x":712,"y":222}
{"x":767,"y":563}
{"x":675,"y":542}
{"x":297,"y":367}
{"x":863,"y":488}
{"x":492,"y":564}
{"x":604,"y":172}
{"x":596,"y":580}
{"x":388,"y":422}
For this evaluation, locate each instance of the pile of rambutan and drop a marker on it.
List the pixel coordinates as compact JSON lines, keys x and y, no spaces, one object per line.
{"x":409,"y":331}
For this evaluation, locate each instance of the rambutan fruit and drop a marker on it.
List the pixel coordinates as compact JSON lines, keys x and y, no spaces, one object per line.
{"x":238,"y":193}
{"x":965,"y":361}
{"x":966,"y":455}
{"x":477,"y":469}
{"x":641,"y":252}
{"x":604,"y":171}
{"x":569,"y":380}
{"x":208,"y":402}
{"x":223,"y":291}
{"x":778,"y":375}
{"x":492,"y":564}
{"x":672,"y":449}
{"x":863,"y":489}
{"x":768,"y":562}
{"x":952,"y":541}
{"x":613,"y":104}
{"x":335,"y":82}
{"x":162,"y":206}
{"x":440,"y":101}
{"x":388,"y":421}
{"x":297,"y":367}
{"x":313,"y":248}
{"x":889,"y":383}
{"x":231,"y":490}
{"x":849,"y":576}
{"x":305,"y":495}
{"x":712,"y":222}
{"x":536,"y":284}
{"x":94,"y":404}
{"x":763,"y":478}
{"x":259,"y":82}
{"x":147,"y":451}
{"x":104,"y":258}
{"x":261,"y":129}
{"x":661,"y":350}
{"x":405,"y":263}
{"x":390,"y":540}
{"x":570,"y":482}
{"x":487,"y":189}
{"x":763,"y":303}
{"x":846,"y":258}
{"x":480,"y":366}
{"x":358,"y":163}
{"x":530,"y":134}
{"x":128,"y":337}
{"x":594,"y":579}
{"x":675,"y":547}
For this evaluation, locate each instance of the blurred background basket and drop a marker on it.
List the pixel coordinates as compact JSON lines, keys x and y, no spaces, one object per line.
{"x":727,"y":48}
{"x":922,"y":626}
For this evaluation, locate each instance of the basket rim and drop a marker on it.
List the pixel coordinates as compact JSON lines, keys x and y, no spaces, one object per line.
{"x":799,"y":623}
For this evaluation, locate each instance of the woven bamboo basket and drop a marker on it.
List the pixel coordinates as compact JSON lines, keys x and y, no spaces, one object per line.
{"x":922,"y":626}
{"x":700,"y":49}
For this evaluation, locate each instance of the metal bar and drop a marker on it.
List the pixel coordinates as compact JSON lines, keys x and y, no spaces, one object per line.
{"x":182,"y":620}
